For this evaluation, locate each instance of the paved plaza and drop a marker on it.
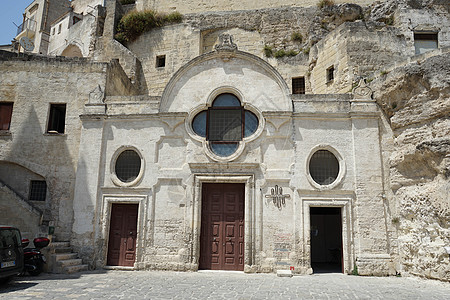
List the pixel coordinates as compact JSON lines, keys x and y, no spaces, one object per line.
{"x":219,"y":285}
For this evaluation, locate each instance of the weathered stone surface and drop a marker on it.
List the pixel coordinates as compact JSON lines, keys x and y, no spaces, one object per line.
{"x":416,"y":99}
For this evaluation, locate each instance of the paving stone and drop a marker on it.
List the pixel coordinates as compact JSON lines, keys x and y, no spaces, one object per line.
{"x":114,"y":284}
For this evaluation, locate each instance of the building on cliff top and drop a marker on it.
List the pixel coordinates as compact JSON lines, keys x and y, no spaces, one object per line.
{"x":241,"y":135}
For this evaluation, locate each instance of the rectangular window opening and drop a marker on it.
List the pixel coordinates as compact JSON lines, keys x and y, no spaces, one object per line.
{"x":59,"y":28}
{"x":160,"y":61}
{"x":298,"y":85}
{"x":424,"y":42}
{"x":330,"y":74}
{"x":57,"y":119}
{"x":38,"y":190}
{"x":5,"y":115}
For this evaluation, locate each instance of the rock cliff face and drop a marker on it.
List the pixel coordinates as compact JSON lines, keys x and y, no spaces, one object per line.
{"x":416,"y":100}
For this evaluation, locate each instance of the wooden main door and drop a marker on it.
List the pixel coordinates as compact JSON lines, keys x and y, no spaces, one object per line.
{"x":222,"y":228}
{"x":122,"y":235}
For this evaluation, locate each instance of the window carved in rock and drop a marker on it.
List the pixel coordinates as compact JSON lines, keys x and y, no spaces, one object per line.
{"x":57,"y":119}
{"x":330,"y":74}
{"x":424,"y":42}
{"x":298,"y":85}
{"x":225,"y":124}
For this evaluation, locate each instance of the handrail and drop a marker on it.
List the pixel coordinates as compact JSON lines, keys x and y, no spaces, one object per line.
{"x":28,"y":24}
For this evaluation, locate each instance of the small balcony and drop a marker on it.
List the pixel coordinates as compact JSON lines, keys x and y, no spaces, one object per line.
{"x":27,"y":28}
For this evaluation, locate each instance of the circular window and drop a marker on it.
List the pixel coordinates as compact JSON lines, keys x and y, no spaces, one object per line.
{"x":324,"y":167}
{"x":128,"y":166}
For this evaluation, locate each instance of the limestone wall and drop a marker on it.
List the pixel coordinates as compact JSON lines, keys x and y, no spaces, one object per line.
{"x":32,"y":84}
{"x":14,"y":211}
{"x":415,"y":98}
{"x":85,"y":6}
{"x":194,"y":6}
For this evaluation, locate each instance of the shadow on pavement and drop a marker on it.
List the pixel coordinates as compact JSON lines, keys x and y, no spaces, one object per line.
{"x":25,"y":282}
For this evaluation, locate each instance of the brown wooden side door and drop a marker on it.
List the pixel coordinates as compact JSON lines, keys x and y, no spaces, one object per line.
{"x":122,"y":235}
{"x":222,"y":228}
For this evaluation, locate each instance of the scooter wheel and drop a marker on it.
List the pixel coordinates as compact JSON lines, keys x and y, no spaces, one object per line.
{"x":38,"y":270}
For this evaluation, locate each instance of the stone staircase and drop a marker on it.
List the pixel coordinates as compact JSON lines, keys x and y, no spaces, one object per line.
{"x":63,"y":260}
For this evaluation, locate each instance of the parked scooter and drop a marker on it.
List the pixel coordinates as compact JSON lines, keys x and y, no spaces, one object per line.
{"x":34,"y":260}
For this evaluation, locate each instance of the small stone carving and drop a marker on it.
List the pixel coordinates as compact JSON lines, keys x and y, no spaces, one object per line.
{"x":362,"y":91}
{"x":277,"y":196}
{"x":96,"y":96}
{"x":226,"y":42}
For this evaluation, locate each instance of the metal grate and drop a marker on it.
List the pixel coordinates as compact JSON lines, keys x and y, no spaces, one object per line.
{"x":38,"y":190}
{"x":225,"y":125}
{"x":128,"y":166}
{"x":324,"y":167}
{"x":298,"y":85}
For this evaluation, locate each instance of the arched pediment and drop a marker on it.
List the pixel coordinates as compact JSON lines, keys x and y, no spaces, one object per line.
{"x":257,"y":81}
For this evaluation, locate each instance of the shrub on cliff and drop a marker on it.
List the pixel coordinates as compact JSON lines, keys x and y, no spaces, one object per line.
{"x":135,"y":23}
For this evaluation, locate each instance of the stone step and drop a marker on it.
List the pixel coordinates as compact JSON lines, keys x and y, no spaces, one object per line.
{"x":70,"y":262}
{"x":60,"y":245}
{"x":75,"y":269}
{"x":65,"y":256}
{"x":63,"y":250}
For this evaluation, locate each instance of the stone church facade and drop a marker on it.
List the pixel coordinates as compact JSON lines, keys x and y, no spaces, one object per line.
{"x":202,"y":145}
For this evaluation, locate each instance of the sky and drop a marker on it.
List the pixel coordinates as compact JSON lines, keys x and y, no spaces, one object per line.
{"x":11,"y":11}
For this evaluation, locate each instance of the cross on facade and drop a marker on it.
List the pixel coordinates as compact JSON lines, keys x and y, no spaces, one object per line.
{"x":277,"y":196}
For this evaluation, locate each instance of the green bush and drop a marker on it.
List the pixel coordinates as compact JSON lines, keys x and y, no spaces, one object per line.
{"x":325,"y":3}
{"x":280,"y":53}
{"x":268,"y":51}
{"x":135,"y":23}
{"x":291,"y":53}
{"x":297,"y":36}
{"x":124,"y":2}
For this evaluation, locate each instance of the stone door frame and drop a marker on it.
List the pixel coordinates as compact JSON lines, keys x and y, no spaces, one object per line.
{"x":249,"y":204}
{"x":348,"y":253}
{"x":108,"y":201}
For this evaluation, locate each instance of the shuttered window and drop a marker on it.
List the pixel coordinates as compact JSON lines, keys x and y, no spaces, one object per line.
{"x":5,"y":115}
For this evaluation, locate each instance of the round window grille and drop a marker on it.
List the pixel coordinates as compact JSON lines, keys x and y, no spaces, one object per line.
{"x":128,"y":166}
{"x":324,"y":167}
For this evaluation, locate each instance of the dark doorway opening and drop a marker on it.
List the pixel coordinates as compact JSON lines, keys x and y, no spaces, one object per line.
{"x":326,"y":239}
{"x":222,"y":227}
{"x":122,"y":235}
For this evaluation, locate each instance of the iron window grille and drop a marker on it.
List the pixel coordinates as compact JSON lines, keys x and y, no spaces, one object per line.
{"x":38,"y":190}
{"x":324,"y":167}
{"x":298,"y":85}
{"x":128,"y":166}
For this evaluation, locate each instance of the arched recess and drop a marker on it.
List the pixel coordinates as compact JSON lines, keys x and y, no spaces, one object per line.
{"x":17,"y":177}
{"x":259,"y":83}
{"x":72,"y":51}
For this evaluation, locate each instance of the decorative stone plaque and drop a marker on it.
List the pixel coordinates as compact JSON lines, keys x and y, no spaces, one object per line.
{"x":278,"y":198}
{"x":226,"y":42}
{"x":362,"y":92}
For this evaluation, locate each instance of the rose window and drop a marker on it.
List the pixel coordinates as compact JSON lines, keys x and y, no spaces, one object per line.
{"x":225,"y":124}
